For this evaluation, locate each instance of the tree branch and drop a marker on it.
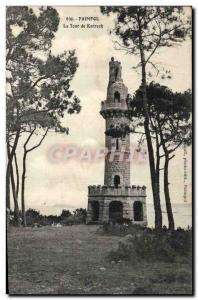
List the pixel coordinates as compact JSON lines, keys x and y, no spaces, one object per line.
{"x":37,"y":81}
{"x":29,"y":137}
{"x":177,"y":146}
{"x":31,"y":149}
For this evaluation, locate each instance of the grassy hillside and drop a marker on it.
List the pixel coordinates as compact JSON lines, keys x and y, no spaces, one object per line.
{"x":73,"y":260}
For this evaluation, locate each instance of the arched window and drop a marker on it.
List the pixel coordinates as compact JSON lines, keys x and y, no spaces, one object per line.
{"x":117,"y":96}
{"x":116,"y":181}
{"x":138,"y":211}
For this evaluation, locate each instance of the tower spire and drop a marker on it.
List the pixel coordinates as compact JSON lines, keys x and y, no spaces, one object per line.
{"x":115,"y":71}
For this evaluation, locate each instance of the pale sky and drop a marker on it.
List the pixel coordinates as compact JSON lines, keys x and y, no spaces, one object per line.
{"x":51,"y":186}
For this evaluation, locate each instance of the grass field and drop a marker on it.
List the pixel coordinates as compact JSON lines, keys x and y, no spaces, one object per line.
{"x":73,"y":260}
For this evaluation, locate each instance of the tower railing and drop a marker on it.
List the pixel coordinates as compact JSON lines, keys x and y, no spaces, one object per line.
{"x":103,"y":190}
{"x":113,"y":105}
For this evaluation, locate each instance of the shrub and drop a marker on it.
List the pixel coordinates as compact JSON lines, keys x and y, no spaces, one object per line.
{"x":123,"y":227}
{"x":124,"y":250}
{"x":152,"y":246}
{"x":45,"y":221}
{"x":68,"y":221}
{"x":32,"y":217}
{"x":181,"y":241}
{"x":65,"y":214}
{"x":78,"y":217}
{"x":81,"y":215}
{"x":73,"y":220}
{"x":10,"y":218}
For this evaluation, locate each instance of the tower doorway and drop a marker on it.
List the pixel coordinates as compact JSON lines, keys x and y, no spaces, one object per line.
{"x":115,"y":211}
{"x":95,"y":210}
{"x":116,"y":181}
{"x":138,"y":211}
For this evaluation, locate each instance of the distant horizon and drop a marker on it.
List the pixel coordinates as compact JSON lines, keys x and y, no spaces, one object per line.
{"x":182,"y":218}
{"x":70,"y":207}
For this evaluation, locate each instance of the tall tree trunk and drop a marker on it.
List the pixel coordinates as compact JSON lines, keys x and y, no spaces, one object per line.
{"x":8,"y":189}
{"x":17,"y":176}
{"x":10,"y":176}
{"x":167,"y":152}
{"x":12,"y":152}
{"x":8,"y":171}
{"x":154,"y":179}
{"x":26,"y":151}
{"x":167,"y":195}
{"x":23,"y":190}
{"x":16,"y":206}
{"x":157,"y":168}
{"x":156,"y":198}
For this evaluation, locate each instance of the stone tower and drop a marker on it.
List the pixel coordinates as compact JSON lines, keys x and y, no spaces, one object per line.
{"x":116,"y":199}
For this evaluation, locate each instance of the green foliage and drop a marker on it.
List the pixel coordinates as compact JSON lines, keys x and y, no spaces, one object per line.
{"x":80,"y":214}
{"x":11,"y":219}
{"x":162,"y":100}
{"x":70,"y":220}
{"x":65,"y":214}
{"x":120,"y":227}
{"x":35,"y":218}
{"x":38,"y":83}
{"x":32,"y":217}
{"x":170,"y":115}
{"x":154,"y":247}
{"x":76,"y":218}
{"x":181,"y":241}
{"x":148,"y":28}
{"x":118,"y":131}
{"x":35,"y":31}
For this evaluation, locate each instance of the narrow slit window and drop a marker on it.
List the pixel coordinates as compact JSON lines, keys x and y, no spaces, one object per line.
{"x":117,"y":144}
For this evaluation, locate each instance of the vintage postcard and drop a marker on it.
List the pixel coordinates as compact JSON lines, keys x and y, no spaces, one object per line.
{"x":99,"y":150}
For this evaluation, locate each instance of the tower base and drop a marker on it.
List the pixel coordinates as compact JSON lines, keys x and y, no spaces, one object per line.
{"x":107,"y":203}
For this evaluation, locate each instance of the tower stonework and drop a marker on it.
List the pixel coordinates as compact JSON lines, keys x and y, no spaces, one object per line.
{"x":116,"y":199}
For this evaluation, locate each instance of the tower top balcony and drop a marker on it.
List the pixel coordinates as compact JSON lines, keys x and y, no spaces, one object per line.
{"x":109,"y":105}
